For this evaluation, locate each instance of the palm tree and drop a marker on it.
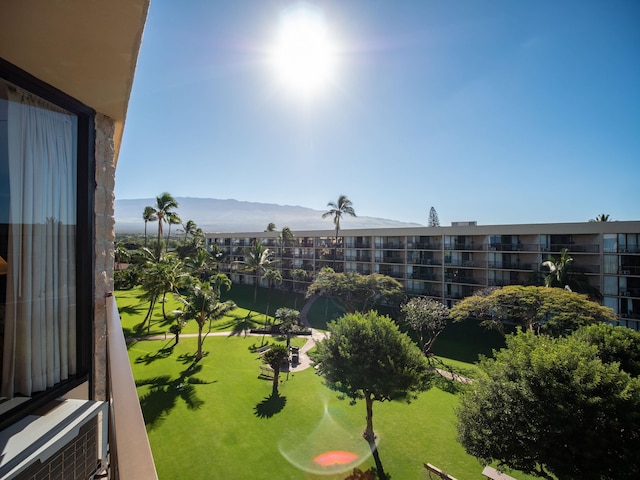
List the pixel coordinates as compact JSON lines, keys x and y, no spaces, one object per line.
{"x":201,"y":302}
{"x":298,"y":275}
{"x":271,"y":227}
{"x":165,"y":204}
{"x":202,"y":264}
{"x":173,"y":219}
{"x":285,"y":238}
{"x":159,"y":277}
{"x":603,"y":217}
{"x":272,"y":276}
{"x":558,"y":269}
{"x":341,"y":207}
{"x":121,"y":253}
{"x":148,"y":215}
{"x":257,"y":259}
{"x":189,"y":229}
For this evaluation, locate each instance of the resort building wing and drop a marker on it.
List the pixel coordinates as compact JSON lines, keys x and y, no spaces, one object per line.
{"x":450,"y":263}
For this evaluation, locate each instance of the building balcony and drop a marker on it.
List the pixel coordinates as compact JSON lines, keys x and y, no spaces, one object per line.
{"x":424,"y":246}
{"x":393,"y":245}
{"x":509,"y":247}
{"x":571,"y":247}
{"x":392,"y":259}
{"x":511,"y":266}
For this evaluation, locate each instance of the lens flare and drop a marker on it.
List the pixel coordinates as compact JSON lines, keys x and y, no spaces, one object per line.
{"x":336,"y":457}
{"x":333,"y":447}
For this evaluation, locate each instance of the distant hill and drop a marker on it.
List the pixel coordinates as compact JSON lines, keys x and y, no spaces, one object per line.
{"x":213,"y":215}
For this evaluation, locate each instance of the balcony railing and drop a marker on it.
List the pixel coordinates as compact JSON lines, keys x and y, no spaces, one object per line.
{"x":130,"y":453}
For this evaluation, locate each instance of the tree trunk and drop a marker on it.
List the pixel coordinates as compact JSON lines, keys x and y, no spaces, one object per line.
{"x":255,"y":289}
{"x":370,"y":436}
{"x":199,"y":353}
{"x":276,"y":374}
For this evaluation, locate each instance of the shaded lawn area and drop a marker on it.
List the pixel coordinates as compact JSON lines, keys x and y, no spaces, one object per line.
{"x":133,"y":310}
{"x":217,"y":419}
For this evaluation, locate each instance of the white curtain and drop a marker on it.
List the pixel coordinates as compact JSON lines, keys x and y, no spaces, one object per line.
{"x":40,"y":319}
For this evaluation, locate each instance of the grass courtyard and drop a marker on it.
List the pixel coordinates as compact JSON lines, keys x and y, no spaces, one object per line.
{"x":218,"y":419}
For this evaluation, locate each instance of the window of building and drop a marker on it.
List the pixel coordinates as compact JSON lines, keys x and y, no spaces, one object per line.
{"x":46,"y":269}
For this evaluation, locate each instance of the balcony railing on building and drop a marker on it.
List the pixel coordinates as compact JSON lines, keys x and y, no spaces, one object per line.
{"x":130,"y":456}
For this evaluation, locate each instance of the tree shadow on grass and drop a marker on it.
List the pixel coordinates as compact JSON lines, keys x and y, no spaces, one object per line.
{"x":133,"y":310}
{"x":164,"y":352}
{"x":270,"y":405}
{"x":165,"y":391}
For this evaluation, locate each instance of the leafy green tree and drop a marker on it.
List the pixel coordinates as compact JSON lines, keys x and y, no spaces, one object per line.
{"x":165,"y":206}
{"x":275,"y":357}
{"x":354,"y":291}
{"x":148,"y":215}
{"x":615,"y":344}
{"x":289,"y":322}
{"x":367,"y":357}
{"x":554,"y":311}
{"x":257,"y":259}
{"x":201,"y":302}
{"x":342,"y":207}
{"x":273,"y":277}
{"x":553,"y":407}
{"x":427,"y":318}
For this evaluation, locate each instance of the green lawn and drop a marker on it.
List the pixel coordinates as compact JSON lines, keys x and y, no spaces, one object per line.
{"x":217,"y":418}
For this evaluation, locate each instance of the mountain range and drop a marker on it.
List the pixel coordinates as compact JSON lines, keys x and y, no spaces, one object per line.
{"x":214,"y":215}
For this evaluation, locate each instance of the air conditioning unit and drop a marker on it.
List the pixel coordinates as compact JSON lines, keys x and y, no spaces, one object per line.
{"x":65,"y":439}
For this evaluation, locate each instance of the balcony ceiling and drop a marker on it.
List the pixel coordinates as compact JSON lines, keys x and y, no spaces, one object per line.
{"x":86,"y":48}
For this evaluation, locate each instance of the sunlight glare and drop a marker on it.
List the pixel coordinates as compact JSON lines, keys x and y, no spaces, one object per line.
{"x":304,"y":55}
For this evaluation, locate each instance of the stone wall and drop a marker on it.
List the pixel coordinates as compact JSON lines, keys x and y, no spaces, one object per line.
{"x":104,"y":254}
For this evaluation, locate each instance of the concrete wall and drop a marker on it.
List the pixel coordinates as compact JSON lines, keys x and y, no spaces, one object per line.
{"x":104,"y":251}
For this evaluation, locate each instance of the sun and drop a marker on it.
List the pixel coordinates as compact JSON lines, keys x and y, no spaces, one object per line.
{"x":304,"y":55}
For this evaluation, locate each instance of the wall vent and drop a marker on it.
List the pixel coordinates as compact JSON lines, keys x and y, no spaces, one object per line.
{"x":66,"y":441}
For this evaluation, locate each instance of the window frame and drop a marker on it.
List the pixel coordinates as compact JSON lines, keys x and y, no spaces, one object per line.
{"x":85,"y":238}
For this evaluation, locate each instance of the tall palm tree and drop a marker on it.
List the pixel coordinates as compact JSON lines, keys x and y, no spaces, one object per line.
{"x":172,"y":219}
{"x":148,"y":215}
{"x":285,"y":238}
{"x":257,"y":258}
{"x":341,"y":207}
{"x":603,"y":217}
{"x":272,"y":276}
{"x":271,"y":227}
{"x":298,"y":275}
{"x":165,"y":205}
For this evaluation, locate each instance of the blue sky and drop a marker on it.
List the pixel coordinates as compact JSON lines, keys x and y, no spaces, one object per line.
{"x":497,"y":111}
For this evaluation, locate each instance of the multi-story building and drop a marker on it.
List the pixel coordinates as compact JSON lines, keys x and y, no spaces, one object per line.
{"x":68,"y":403}
{"x":450,"y":263}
